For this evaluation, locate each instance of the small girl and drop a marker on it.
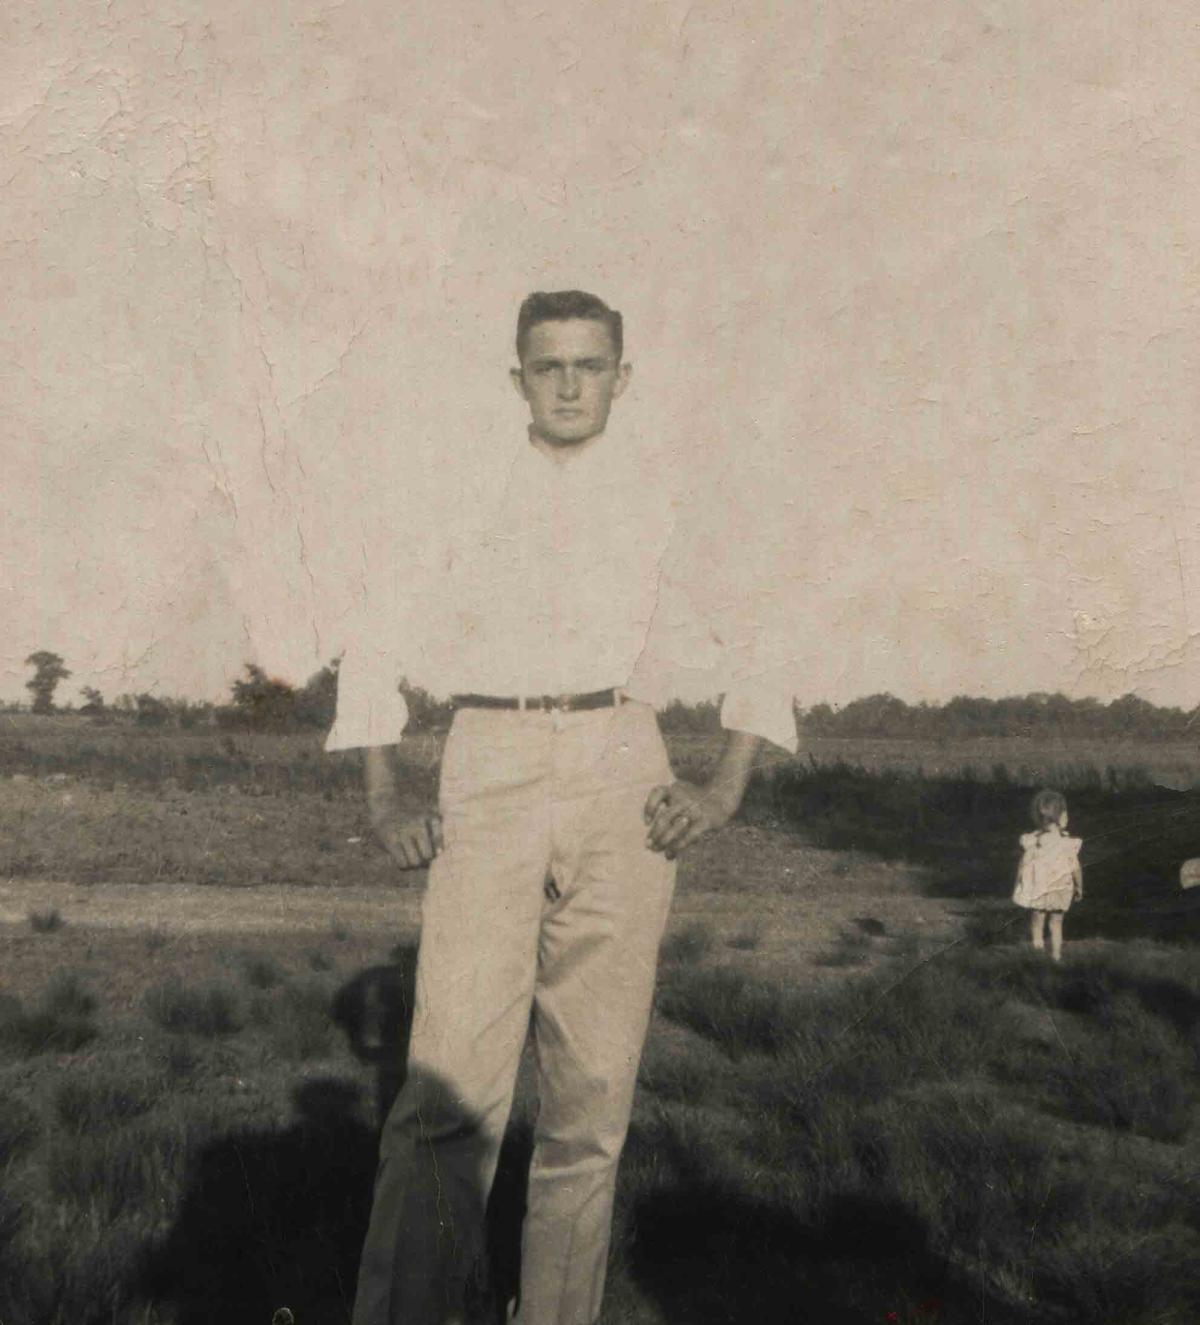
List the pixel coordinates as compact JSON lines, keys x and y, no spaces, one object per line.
{"x":1050,"y":875}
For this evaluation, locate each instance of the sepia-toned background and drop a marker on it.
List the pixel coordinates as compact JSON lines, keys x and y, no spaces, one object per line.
{"x":910,"y":292}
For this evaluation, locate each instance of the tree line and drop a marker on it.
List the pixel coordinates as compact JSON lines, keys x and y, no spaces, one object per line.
{"x":263,"y":702}
{"x":1039,"y":714}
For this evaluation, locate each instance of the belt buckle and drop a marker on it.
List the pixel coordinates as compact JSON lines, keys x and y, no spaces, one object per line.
{"x":558,"y":703}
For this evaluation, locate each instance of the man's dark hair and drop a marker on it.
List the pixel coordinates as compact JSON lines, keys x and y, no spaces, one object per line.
{"x":563,"y":306}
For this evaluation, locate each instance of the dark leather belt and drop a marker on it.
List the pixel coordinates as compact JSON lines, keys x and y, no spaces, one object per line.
{"x":593,"y":699}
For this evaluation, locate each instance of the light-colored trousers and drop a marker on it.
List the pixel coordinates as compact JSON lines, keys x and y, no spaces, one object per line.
{"x":524,"y":797}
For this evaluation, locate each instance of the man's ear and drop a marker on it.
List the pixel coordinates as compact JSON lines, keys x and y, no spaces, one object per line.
{"x":518,"y":380}
{"x":624,"y":373}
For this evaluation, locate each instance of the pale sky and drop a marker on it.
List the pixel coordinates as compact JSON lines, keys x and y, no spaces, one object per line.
{"x":910,"y":293}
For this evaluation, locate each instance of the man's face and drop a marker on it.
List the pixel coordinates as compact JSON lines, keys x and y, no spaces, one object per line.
{"x":570,"y":377}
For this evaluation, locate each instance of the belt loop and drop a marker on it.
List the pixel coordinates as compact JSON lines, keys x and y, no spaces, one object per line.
{"x":521,"y":703}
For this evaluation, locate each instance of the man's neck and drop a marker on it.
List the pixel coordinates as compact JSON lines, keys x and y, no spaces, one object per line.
{"x":564,"y":452}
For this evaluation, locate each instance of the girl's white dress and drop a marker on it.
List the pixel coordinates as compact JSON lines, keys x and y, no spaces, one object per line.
{"x":1044,"y":880}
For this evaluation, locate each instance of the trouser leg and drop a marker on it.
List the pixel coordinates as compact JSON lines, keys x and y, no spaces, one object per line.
{"x":597,"y":961}
{"x":423,"y":1258}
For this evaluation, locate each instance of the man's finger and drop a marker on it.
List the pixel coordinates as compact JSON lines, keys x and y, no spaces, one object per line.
{"x":678,"y":845}
{"x":435,"y":832}
{"x":676,"y":831}
{"x":424,"y":841}
{"x":664,"y":816}
{"x":657,"y":796}
{"x":678,"y":848}
{"x":670,"y":829}
{"x":673,"y":805}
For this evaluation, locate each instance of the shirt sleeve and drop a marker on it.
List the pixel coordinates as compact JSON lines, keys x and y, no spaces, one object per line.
{"x":763,"y":707}
{"x":371,"y":711}
{"x":684,"y":643}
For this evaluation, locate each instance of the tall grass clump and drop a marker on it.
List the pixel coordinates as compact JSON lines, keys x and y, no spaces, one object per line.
{"x":262,"y":971}
{"x":106,"y":1100}
{"x":209,"y":1010}
{"x":46,"y":921}
{"x":1130,"y":1071}
{"x":739,"y":1012}
{"x":61,"y":1021}
{"x":690,"y":943}
{"x":852,"y":948}
{"x":116,"y":1172}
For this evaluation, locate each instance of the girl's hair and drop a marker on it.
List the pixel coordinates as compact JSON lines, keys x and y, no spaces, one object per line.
{"x":1048,"y":807}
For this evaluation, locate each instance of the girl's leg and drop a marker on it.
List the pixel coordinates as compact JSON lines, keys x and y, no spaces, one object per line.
{"x":1037,"y":924}
{"x":1056,"y":924}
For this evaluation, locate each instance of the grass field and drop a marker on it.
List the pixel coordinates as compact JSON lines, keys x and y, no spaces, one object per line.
{"x":861,"y":1100}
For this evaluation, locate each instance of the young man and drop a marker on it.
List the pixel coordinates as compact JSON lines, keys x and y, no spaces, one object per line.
{"x":551,"y":853}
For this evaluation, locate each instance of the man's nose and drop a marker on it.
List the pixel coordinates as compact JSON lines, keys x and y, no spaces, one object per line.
{"x":568,"y":384}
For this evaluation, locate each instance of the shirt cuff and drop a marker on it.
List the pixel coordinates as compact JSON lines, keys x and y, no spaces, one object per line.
{"x":381,"y":722}
{"x":371,"y":709}
{"x":761,"y":710}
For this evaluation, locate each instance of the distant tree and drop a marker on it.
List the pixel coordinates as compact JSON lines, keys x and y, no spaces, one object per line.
{"x":188,"y":713}
{"x":48,"y":671}
{"x":316,"y":701}
{"x":151,"y":711}
{"x":93,"y":700}
{"x":263,"y":701}
{"x":971,"y":716}
{"x":425,"y":711}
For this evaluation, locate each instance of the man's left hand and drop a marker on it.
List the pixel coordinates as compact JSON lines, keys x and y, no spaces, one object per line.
{"x":677,"y":815}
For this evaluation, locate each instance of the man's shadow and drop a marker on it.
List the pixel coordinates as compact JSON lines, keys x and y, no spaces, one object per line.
{"x":276,"y":1217}
{"x":272,"y":1218}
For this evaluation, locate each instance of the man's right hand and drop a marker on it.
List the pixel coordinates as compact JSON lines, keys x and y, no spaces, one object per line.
{"x":412,"y":843}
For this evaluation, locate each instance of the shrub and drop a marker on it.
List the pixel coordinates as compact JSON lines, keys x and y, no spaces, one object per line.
{"x":61,"y":1022}
{"x":67,"y":995}
{"x":180,"y":1060}
{"x":680,"y":1076}
{"x":738,"y":1012}
{"x":689,"y":944}
{"x":208,"y":1010}
{"x":102,"y":1101}
{"x":747,"y":938}
{"x":47,"y":921}
{"x":262,"y":972}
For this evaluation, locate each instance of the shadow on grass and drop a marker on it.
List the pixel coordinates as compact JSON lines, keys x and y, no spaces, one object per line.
{"x":706,"y":1255}
{"x":962,"y":831}
{"x":272,"y":1218}
{"x":276,"y":1217}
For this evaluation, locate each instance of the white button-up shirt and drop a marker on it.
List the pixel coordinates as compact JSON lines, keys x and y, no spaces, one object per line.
{"x":560,"y":588}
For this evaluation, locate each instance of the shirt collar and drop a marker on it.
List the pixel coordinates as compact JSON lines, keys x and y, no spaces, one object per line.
{"x":577,"y":457}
